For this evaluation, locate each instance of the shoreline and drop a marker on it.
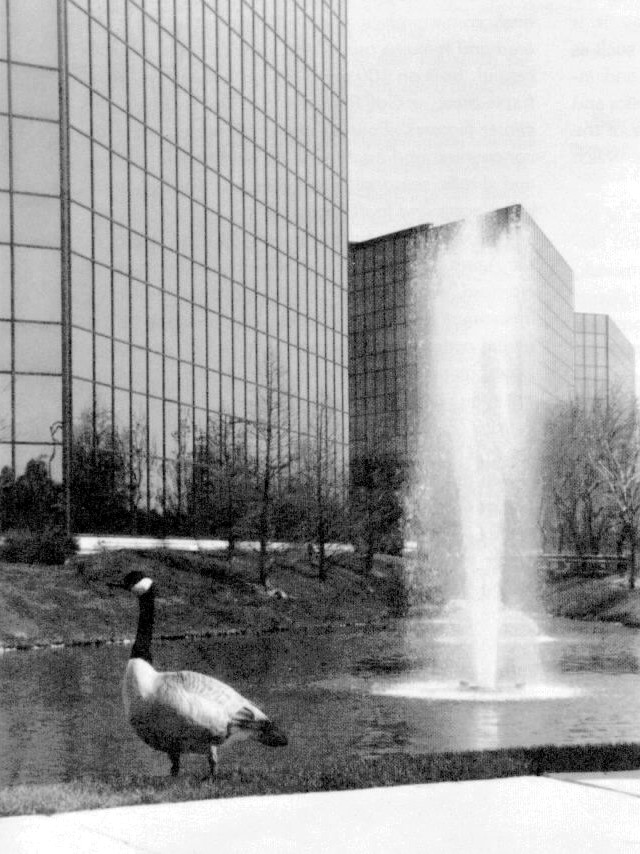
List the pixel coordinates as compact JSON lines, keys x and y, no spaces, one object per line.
{"x":380,"y":625}
{"x":303,"y":628}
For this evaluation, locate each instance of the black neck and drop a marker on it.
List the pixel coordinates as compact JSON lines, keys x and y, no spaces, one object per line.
{"x":142,"y":644}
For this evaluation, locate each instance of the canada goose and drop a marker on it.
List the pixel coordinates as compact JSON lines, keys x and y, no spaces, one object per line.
{"x":184,"y":712}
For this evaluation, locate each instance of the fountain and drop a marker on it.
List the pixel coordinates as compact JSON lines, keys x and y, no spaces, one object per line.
{"x":475,"y":482}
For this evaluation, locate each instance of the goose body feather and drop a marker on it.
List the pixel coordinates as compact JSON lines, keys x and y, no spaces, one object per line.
{"x":186,"y":711}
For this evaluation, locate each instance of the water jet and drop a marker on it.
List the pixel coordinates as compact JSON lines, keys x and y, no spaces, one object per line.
{"x":475,"y":489}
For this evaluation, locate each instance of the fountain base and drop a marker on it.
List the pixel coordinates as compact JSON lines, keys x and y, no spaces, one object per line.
{"x":471,"y":686}
{"x":435,"y":690}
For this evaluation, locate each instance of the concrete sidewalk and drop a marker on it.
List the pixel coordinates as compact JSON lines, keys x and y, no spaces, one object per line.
{"x":562,"y":813}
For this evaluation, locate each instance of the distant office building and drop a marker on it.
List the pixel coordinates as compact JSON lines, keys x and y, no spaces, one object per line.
{"x":384,"y":276}
{"x":604,"y":360}
{"x":173,"y":211}
{"x":383,"y":376}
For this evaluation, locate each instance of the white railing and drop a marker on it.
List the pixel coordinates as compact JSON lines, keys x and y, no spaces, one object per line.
{"x":90,"y":544}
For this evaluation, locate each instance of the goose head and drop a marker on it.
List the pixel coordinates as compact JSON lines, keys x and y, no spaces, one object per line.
{"x":137,"y":582}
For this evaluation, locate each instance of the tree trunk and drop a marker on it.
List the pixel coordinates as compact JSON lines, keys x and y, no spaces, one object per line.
{"x":632,"y":559}
{"x":621,"y":562}
{"x":368,"y":558}
{"x":322,"y":561}
{"x":263,"y":563}
{"x":231,"y":547}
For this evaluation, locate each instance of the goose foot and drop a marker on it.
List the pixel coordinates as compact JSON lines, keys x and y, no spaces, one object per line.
{"x":212,"y":756}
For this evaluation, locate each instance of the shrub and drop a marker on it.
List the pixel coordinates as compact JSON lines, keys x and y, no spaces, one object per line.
{"x":48,"y":547}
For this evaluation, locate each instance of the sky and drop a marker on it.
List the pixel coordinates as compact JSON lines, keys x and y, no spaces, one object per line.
{"x":458,"y":107}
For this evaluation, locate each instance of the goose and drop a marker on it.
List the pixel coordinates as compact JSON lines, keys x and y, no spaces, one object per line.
{"x":183,"y":711}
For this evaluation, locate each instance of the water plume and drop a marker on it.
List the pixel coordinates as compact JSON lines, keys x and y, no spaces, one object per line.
{"x":475,"y":482}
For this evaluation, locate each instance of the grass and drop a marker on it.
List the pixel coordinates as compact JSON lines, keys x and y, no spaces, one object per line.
{"x":336,"y":775}
{"x":606,"y":598}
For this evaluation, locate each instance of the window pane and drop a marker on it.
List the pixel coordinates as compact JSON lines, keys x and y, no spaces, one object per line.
{"x":38,"y":405}
{"x":100,"y":59}
{"x":38,"y":347}
{"x":37,"y":156}
{"x":48,"y":453}
{"x":3,"y":36}
{"x":101,"y":179}
{"x":37,"y":220}
{"x":81,"y":230}
{"x":4,"y":146}
{"x":5,"y":350}
{"x":4,"y":217}
{"x":78,"y":42}
{"x":29,"y":43}
{"x":34,"y":92}
{"x":102,"y":291}
{"x":79,"y":105}
{"x":81,"y":290}
{"x":38,"y":284}
{"x":82,"y":355}
{"x":5,"y":282}
{"x":121,"y":307}
{"x":80,"y":168}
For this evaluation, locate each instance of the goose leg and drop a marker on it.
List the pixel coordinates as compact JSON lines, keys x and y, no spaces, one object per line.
{"x":174,"y":756}
{"x":213,"y":760}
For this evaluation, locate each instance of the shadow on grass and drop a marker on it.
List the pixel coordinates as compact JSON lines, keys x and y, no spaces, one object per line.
{"x":336,"y":775}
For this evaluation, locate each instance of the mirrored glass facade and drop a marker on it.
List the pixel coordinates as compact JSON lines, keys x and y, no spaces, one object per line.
{"x":173,"y":210}
{"x":31,"y":335}
{"x":383,"y":369}
{"x":604,"y":360}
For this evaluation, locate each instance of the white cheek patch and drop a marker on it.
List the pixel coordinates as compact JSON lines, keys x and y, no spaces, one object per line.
{"x":142,"y":586}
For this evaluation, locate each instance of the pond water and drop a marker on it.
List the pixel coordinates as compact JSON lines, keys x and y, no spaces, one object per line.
{"x":61,"y":710}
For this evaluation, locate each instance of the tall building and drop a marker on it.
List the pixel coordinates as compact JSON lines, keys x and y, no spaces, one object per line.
{"x":173,"y":218}
{"x":383,"y":375}
{"x":604,"y":360}
{"x":385,"y":276}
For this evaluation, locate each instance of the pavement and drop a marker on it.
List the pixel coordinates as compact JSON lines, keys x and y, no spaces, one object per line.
{"x":567,"y":813}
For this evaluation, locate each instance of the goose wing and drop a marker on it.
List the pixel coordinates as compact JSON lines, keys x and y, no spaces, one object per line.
{"x":207,"y":703}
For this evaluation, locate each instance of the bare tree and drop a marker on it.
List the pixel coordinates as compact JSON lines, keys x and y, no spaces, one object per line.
{"x":377,"y":479}
{"x":222,"y":483}
{"x":137,"y":459}
{"x":576,"y":510}
{"x":274,"y":455}
{"x":616,"y":457}
{"x":323,"y":491}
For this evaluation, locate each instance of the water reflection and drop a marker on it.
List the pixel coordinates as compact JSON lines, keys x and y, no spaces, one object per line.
{"x":61,"y":714}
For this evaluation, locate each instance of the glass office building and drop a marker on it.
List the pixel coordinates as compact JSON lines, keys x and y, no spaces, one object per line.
{"x":605,"y":367}
{"x":173,"y":218}
{"x":385,"y":276}
{"x":383,"y":368}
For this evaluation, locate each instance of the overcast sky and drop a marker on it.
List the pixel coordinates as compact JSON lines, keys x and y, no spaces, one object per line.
{"x":462,"y":106}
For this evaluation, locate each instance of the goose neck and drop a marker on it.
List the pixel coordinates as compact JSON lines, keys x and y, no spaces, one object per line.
{"x":142,"y":644}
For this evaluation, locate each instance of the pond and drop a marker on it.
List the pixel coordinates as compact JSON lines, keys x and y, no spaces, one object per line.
{"x":61,"y":710}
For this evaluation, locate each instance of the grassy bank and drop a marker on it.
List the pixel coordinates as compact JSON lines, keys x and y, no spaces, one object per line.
{"x":204,"y":594}
{"x":583,"y":597}
{"x":338,"y":775}
{"x":197,"y":594}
